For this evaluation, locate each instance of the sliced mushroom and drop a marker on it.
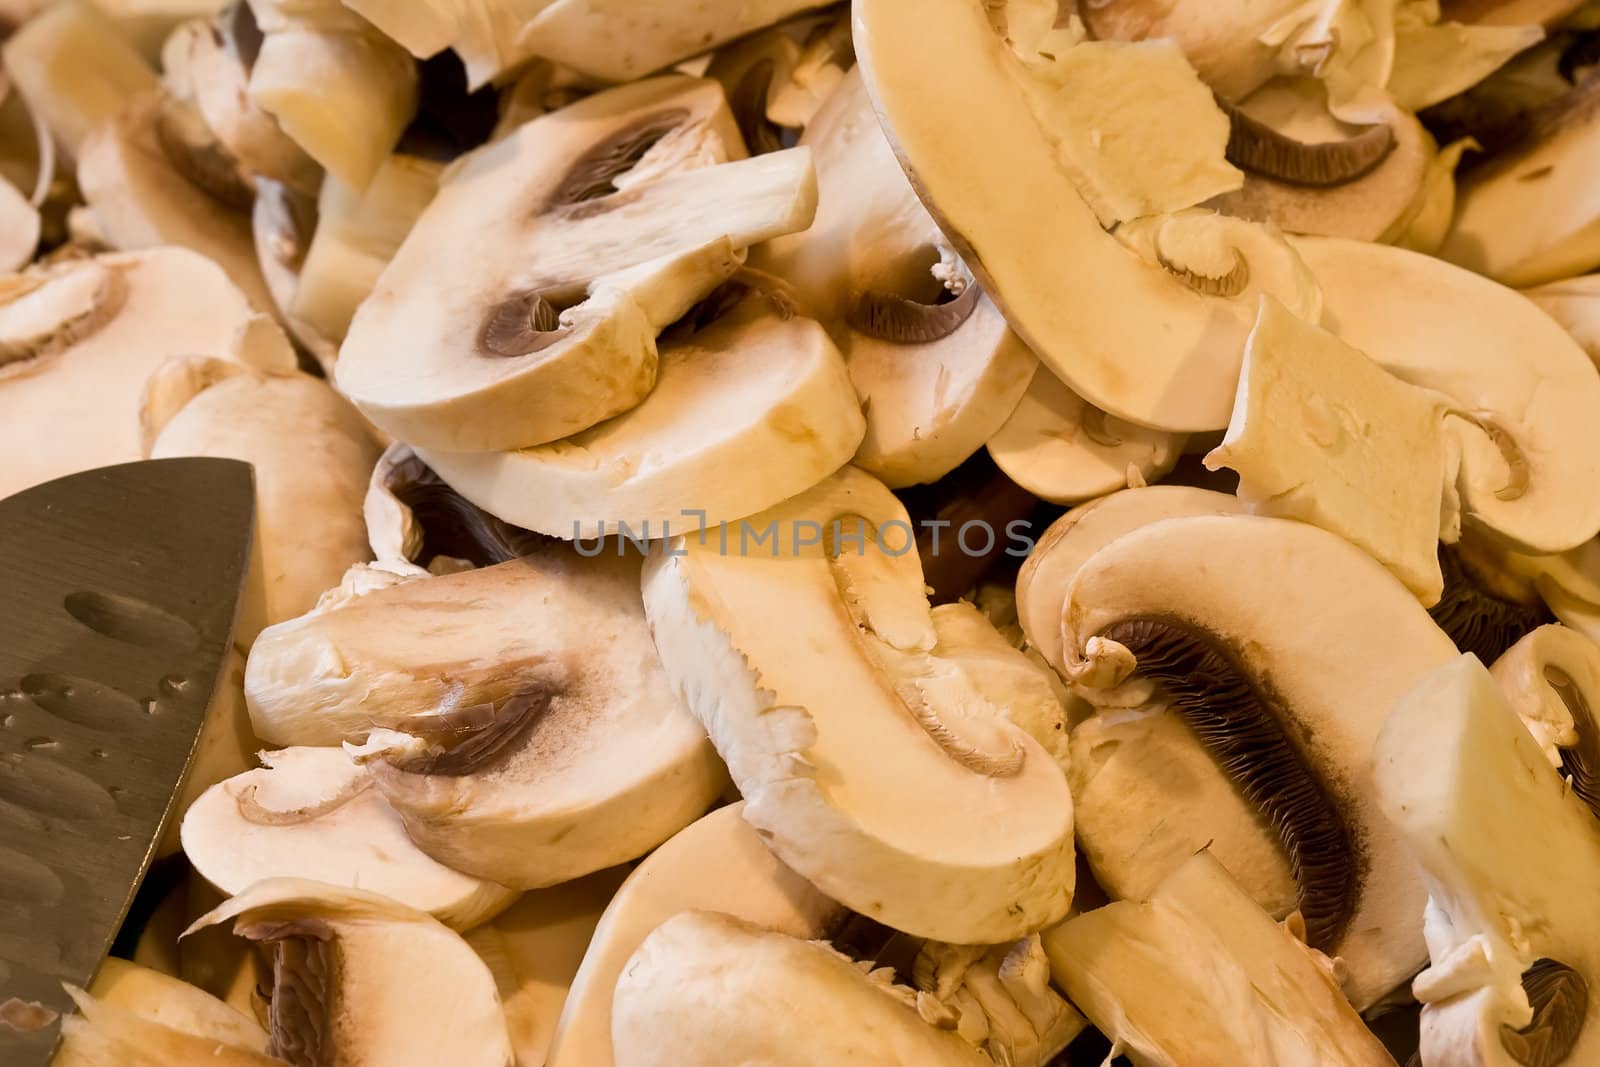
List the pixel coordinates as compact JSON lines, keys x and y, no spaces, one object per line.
{"x":799,"y":1003}
{"x":1262,"y":680}
{"x":1061,"y":449}
{"x":751,"y":71}
{"x":226,"y":746}
{"x":998,"y":998}
{"x":1491,"y":601}
{"x":19,"y":227}
{"x":343,"y":958}
{"x":485,"y":35}
{"x":1551,"y":679}
{"x":1423,"y":226}
{"x":1530,"y":448}
{"x":743,"y":415}
{"x":101,"y":1033}
{"x":1437,"y":61}
{"x":804,"y":715}
{"x":1575,"y":304}
{"x":312,"y":813}
{"x":175,"y":1004}
{"x":1510,"y":12}
{"x":827,"y":56}
{"x":77,"y":341}
{"x":591,"y":229}
{"x":515,"y":716}
{"x":308,"y":515}
{"x":1511,"y":857}
{"x":1124,"y":333}
{"x":414,"y":516}
{"x":1198,"y":973}
{"x":717,"y":863}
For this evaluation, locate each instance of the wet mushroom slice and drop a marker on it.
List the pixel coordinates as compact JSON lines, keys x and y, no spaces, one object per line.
{"x":1245,"y":626}
{"x":859,"y":710}
{"x":799,"y":1002}
{"x":337,"y":87}
{"x":1527,"y":215}
{"x":344,"y":958}
{"x":717,"y":864}
{"x":147,"y":188}
{"x":77,"y":342}
{"x":312,"y":813}
{"x":308,"y":514}
{"x":1511,"y":858}
{"x":1062,"y":449}
{"x":581,"y":34}
{"x":516,"y":717}
{"x":743,"y":415}
{"x":1128,"y":335}
{"x":1198,"y":973}
{"x":592,"y":229}
{"x":1551,"y":679}
{"x":936,"y":367}
{"x":1530,"y":449}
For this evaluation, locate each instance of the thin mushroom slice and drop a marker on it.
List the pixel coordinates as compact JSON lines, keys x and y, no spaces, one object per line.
{"x":1198,"y":973}
{"x":1551,"y":679}
{"x":173,"y":1003}
{"x":415,"y":517}
{"x":100,"y":1032}
{"x":1062,"y":449}
{"x":751,"y":71}
{"x":799,"y":1003}
{"x":1262,"y":680}
{"x":963,"y":114}
{"x":342,"y":958}
{"x":592,"y":229}
{"x":516,"y":717}
{"x":483,"y":35}
{"x":19,"y":227}
{"x":717,"y":863}
{"x":1511,"y":858}
{"x":1436,"y":61}
{"x":744,"y":414}
{"x":1575,"y":304}
{"x":1529,"y":446}
{"x":312,"y":813}
{"x":804,"y":715}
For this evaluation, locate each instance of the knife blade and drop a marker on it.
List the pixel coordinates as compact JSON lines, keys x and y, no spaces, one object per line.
{"x":118,"y":594}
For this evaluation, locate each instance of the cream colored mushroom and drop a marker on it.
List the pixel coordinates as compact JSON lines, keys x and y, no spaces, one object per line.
{"x":1551,"y":679}
{"x":1575,"y":304}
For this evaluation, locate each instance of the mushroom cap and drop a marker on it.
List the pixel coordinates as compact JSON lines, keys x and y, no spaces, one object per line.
{"x":743,"y":415}
{"x":717,"y":864}
{"x":312,"y":813}
{"x":707,"y":989}
{"x":872,"y":761}
{"x":1404,"y":310}
{"x":1290,"y":607}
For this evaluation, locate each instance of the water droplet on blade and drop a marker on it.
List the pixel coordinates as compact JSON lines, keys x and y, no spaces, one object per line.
{"x":81,"y":702}
{"x":132,"y":621}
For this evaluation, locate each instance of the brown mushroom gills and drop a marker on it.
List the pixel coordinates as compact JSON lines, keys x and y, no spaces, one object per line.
{"x":453,"y":526}
{"x":1560,"y":999}
{"x":1581,"y":762}
{"x":466,"y":741}
{"x":1240,"y":722}
{"x":593,"y":175}
{"x":1483,"y":615}
{"x":205,"y":162}
{"x":522,"y":324}
{"x":305,"y":974}
{"x":748,"y":102}
{"x":1258,"y":148}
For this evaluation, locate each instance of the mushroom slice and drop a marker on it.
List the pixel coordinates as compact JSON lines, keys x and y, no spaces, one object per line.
{"x":1546,"y":13}
{"x":484,"y":33}
{"x":1262,"y":681}
{"x":1324,"y":435}
{"x":827,"y":57}
{"x":715,"y":864}
{"x":77,"y":341}
{"x":413,"y":516}
{"x":1123,"y":332}
{"x":147,"y":191}
{"x":75,"y":69}
{"x":1551,"y":679}
{"x":799,"y":1003}
{"x":175,"y":1004}
{"x":226,"y":745}
{"x":102,"y":1033}
{"x":1530,"y":448}
{"x":1575,"y":304}
{"x":1527,"y":215}
{"x":743,"y":415}
{"x":1491,"y":598}
{"x":581,"y":33}
{"x":342,"y":959}
{"x":312,"y":813}
{"x":592,"y":229}
{"x":751,"y":71}
{"x":1511,"y":857}
{"x":998,"y":998}
{"x":1064,"y":450}
{"x":515,"y":716}
{"x":309,"y":515}
{"x":1434,"y":62}
{"x":805,"y":715}
{"x":1198,"y":973}
{"x":19,"y":227}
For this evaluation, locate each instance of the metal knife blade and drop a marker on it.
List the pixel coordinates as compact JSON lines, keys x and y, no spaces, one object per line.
{"x":118,"y":593}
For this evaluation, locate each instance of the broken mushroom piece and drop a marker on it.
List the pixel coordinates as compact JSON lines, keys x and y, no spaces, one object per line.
{"x":1128,"y":335}
{"x":516,"y":717}
{"x":312,"y":813}
{"x":799,"y":1003}
{"x":1511,"y":858}
{"x":1064,"y":450}
{"x":102,"y":1033}
{"x":344,"y":959}
{"x":996,"y":997}
{"x":414,"y":517}
{"x":309,"y":517}
{"x":567,"y":247}
{"x":1198,"y":973}
{"x":1530,"y":448}
{"x":853,"y":714}
{"x":744,"y":414}
{"x":484,"y":35}
{"x":716,"y":864}
{"x":1246,"y":626}
{"x":19,"y":228}
{"x":1551,"y":679}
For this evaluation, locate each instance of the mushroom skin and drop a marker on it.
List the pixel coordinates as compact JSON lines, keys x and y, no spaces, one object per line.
{"x":1163,"y":596}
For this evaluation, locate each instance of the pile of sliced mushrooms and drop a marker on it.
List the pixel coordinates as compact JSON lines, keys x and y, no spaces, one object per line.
{"x":902,"y":532}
